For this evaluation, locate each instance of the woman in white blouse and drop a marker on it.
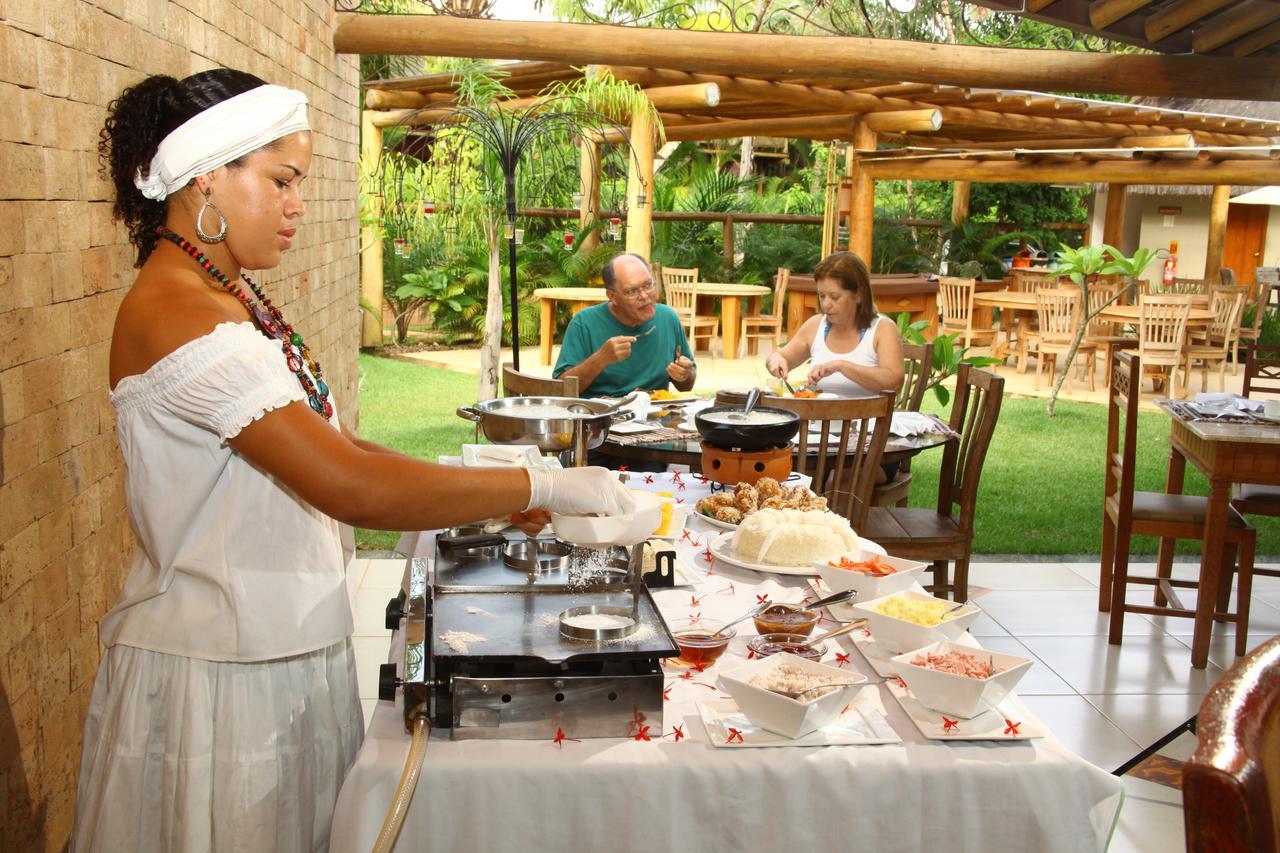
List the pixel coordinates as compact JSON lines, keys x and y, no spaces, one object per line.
{"x":225,"y":712}
{"x":855,"y":352}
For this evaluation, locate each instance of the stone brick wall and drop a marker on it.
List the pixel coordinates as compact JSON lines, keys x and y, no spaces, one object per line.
{"x":64,"y":268}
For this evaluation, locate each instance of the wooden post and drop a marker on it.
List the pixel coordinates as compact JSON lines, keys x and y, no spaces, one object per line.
{"x":727,"y":232}
{"x":370,"y":238}
{"x":1113,"y":222}
{"x":863,"y":208}
{"x":589,"y":186}
{"x":959,"y":202}
{"x":1217,"y":233}
{"x":640,"y":181}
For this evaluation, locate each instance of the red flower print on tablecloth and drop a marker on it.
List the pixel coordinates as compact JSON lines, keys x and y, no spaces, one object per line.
{"x":561,"y":737}
{"x":676,"y":732}
{"x":735,"y":736}
{"x":949,"y":724}
{"x":842,"y":658}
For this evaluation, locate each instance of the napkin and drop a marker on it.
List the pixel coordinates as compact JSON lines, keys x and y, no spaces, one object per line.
{"x":913,"y":423}
{"x":640,"y":405}
{"x":1213,"y":403}
{"x":484,"y":455}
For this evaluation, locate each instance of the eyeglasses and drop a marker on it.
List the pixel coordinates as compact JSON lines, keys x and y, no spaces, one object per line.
{"x":634,"y":293}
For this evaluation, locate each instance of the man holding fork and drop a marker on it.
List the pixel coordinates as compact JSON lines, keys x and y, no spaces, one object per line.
{"x":629,"y":342}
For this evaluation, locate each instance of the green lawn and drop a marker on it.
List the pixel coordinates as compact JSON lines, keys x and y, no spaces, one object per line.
{"x":1041,"y":490}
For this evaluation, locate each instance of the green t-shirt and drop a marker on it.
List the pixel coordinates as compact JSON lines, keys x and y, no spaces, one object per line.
{"x":651,"y":352}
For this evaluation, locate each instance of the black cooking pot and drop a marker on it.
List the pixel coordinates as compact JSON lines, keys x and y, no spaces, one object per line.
{"x":747,"y":436}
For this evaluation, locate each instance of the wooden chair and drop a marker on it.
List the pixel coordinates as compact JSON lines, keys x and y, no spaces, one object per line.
{"x":916,"y":369}
{"x":1037,"y":281}
{"x":1220,"y":339}
{"x":844,"y":455}
{"x":1230,"y":789}
{"x":1058,"y":313}
{"x":945,"y":535}
{"x":1227,"y":277}
{"x":1190,"y":286}
{"x":1262,"y":369}
{"x":516,"y":384}
{"x":955,"y":306}
{"x":1162,"y":331}
{"x":757,"y":326}
{"x":1261,"y":374}
{"x":1253,"y":332}
{"x":680,"y":290}
{"x":1127,"y":513}
{"x":1101,"y":333}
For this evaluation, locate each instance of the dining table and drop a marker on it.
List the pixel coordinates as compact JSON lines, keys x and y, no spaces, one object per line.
{"x":667,"y":442}
{"x":678,"y":782}
{"x":730,"y":294}
{"x":1225,"y":452}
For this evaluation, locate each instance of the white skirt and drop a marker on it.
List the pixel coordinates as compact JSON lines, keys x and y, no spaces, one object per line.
{"x":192,"y":755}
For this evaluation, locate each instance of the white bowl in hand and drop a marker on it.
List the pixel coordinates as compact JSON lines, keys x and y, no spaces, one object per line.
{"x":600,"y":531}
{"x":960,"y":695}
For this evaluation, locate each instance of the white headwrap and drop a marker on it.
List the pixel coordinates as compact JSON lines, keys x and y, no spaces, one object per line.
{"x":220,"y":134}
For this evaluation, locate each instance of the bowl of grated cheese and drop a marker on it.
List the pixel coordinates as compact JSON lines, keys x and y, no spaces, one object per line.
{"x":911,"y":620}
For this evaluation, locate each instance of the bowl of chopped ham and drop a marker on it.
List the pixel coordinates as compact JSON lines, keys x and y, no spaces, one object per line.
{"x":910,"y":620}
{"x":763,"y":690}
{"x":871,"y":575}
{"x":960,"y":681}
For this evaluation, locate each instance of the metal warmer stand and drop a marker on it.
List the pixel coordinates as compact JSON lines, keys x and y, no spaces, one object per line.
{"x":526,"y":679}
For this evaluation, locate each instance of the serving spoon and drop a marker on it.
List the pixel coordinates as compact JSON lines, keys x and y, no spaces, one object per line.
{"x":753,"y":397}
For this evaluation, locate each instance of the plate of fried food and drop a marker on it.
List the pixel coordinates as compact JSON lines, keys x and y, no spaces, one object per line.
{"x":662,"y":395}
{"x":727,"y":509}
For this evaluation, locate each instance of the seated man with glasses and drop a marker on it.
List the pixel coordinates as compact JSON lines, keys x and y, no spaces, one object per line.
{"x":629,"y":342}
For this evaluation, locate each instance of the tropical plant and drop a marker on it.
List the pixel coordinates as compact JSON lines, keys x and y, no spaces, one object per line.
{"x":547,"y":263}
{"x":972,"y":251}
{"x":947,"y":355}
{"x":1083,"y":265}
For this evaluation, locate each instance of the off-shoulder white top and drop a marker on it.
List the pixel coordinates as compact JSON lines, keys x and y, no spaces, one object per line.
{"x":230,"y":565}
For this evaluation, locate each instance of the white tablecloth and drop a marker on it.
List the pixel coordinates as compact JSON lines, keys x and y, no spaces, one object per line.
{"x":627,"y":795}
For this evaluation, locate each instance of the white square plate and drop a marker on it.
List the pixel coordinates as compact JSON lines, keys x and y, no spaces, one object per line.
{"x":880,"y":657}
{"x":1003,"y":723}
{"x":863,"y":722}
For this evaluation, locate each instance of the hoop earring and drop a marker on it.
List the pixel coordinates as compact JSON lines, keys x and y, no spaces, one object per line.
{"x":222,"y":222}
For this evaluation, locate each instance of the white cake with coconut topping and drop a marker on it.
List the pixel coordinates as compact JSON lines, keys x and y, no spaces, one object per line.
{"x":792,"y":537}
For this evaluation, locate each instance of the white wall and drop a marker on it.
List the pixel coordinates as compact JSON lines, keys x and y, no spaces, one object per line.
{"x":1190,"y":229}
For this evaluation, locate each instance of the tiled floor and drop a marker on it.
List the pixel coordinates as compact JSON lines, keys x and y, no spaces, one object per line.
{"x":1104,"y":702}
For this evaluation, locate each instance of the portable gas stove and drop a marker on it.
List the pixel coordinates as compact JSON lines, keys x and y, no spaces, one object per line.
{"x":516,"y":638}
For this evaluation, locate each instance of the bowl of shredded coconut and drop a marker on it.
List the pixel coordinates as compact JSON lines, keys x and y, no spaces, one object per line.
{"x":793,"y":537}
{"x":959,"y":680}
{"x":909,"y":620}
{"x":758,"y":688}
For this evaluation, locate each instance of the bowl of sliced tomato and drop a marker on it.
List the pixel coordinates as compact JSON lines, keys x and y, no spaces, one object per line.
{"x":871,"y":575}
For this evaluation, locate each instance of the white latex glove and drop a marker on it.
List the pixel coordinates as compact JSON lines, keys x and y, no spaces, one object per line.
{"x":578,"y":491}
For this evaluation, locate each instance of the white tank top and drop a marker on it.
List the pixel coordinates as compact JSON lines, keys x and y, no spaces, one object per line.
{"x":863,"y":355}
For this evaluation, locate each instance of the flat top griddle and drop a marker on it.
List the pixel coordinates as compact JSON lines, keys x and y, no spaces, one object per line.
{"x":517,"y":624}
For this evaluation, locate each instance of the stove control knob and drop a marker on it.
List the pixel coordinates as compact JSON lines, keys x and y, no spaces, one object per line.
{"x":388,"y":682}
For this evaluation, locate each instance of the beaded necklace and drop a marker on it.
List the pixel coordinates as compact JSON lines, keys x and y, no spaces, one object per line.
{"x":272,"y":322}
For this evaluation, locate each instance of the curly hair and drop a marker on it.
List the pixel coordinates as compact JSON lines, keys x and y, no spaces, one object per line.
{"x":851,"y":273}
{"x":138,"y":121}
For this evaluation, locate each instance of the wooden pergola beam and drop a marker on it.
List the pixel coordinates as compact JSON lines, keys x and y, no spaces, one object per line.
{"x":770,"y":55}
{"x":1246,"y":172}
{"x":1237,"y":21}
{"x":1104,"y":13}
{"x":1179,"y":16}
{"x":1256,"y":41}
{"x":905,"y":121}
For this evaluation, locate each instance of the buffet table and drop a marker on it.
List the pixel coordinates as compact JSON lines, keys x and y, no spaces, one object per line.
{"x":668,"y":788}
